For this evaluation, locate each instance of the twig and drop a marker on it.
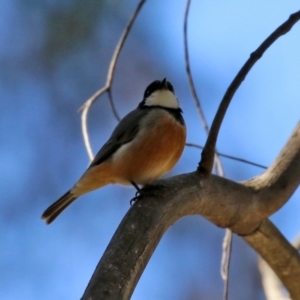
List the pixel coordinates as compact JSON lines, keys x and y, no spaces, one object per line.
{"x":207,"y":159}
{"x":218,"y":163}
{"x":85,"y":109}
{"x":112,"y":104}
{"x":230,"y":156}
{"x":188,"y":69}
{"x":225,"y":263}
{"x":107,"y":87}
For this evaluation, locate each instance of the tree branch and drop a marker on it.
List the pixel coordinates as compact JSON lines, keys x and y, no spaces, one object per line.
{"x":107,"y":87}
{"x":229,"y":156}
{"x":207,"y":156}
{"x":188,"y":69}
{"x":284,"y":261}
{"x":273,"y":287}
{"x":280,"y":175}
{"x":238,"y":206}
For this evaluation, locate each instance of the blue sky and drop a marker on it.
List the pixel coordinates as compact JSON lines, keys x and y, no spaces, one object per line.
{"x":46,"y":75}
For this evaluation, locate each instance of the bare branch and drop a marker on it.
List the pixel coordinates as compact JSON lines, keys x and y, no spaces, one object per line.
{"x":271,"y":284}
{"x":188,"y":69}
{"x":207,"y":159}
{"x":85,"y":109}
{"x":278,"y":176}
{"x":218,"y":163}
{"x":109,"y":79}
{"x":273,"y":287}
{"x":225,"y":263}
{"x":112,"y":104}
{"x":230,"y":156}
{"x":284,"y":259}
{"x":238,"y":206}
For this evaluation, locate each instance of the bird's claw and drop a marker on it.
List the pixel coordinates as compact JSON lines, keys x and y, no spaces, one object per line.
{"x":138,"y":196}
{"x":149,"y":190}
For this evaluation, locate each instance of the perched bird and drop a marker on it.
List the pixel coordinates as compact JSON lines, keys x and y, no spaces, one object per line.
{"x":145,"y":145}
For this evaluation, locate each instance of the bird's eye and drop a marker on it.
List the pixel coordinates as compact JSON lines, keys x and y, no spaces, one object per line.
{"x":155,"y":85}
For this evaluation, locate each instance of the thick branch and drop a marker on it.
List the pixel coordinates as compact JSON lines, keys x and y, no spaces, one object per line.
{"x":207,"y":160}
{"x":282,"y":173}
{"x":238,"y":206}
{"x":284,"y":260}
{"x":272,"y":285}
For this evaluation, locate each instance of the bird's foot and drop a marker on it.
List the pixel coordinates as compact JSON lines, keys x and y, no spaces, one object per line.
{"x":149,"y":190}
{"x":138,"y":195}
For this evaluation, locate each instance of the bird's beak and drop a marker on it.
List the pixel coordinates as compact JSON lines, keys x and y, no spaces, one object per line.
{"x":164,"y":84}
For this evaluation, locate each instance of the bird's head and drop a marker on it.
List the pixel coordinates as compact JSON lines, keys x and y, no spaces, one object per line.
{"x":160,"y":93}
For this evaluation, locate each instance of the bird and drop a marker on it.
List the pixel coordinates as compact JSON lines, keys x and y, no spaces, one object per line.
{"x":145,"y":145}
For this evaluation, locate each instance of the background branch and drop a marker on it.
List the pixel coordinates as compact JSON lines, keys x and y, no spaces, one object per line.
{"x":207,"y":159}
{"x":107,"y":87}
{"x":188,"y":69}
{"x":229,"y":156}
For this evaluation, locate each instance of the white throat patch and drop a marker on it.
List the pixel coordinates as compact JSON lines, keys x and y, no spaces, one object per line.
{"x":164,"y":98}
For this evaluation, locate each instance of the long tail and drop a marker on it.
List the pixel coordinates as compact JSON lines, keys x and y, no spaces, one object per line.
{"x":57,"y":207}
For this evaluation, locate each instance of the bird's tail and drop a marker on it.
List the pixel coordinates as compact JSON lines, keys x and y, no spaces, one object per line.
{"x":57,"y":207}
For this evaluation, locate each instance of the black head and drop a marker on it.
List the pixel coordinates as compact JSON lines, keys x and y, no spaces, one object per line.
{"x":160,"y":93}
{"x":158,"y":85}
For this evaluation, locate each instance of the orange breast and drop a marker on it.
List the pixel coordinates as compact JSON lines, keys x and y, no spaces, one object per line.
{"x":153,"y":152}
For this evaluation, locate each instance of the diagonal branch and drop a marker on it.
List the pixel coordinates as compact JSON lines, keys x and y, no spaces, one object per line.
{"x":268,"y":239}
{"x":207,"y":157}
{"x":238,"y":206}
{"x":109,"y":79}
{"x":272,"y":285}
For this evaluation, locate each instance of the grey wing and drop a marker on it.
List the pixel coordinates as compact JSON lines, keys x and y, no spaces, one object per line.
{"x":125,"y":132}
